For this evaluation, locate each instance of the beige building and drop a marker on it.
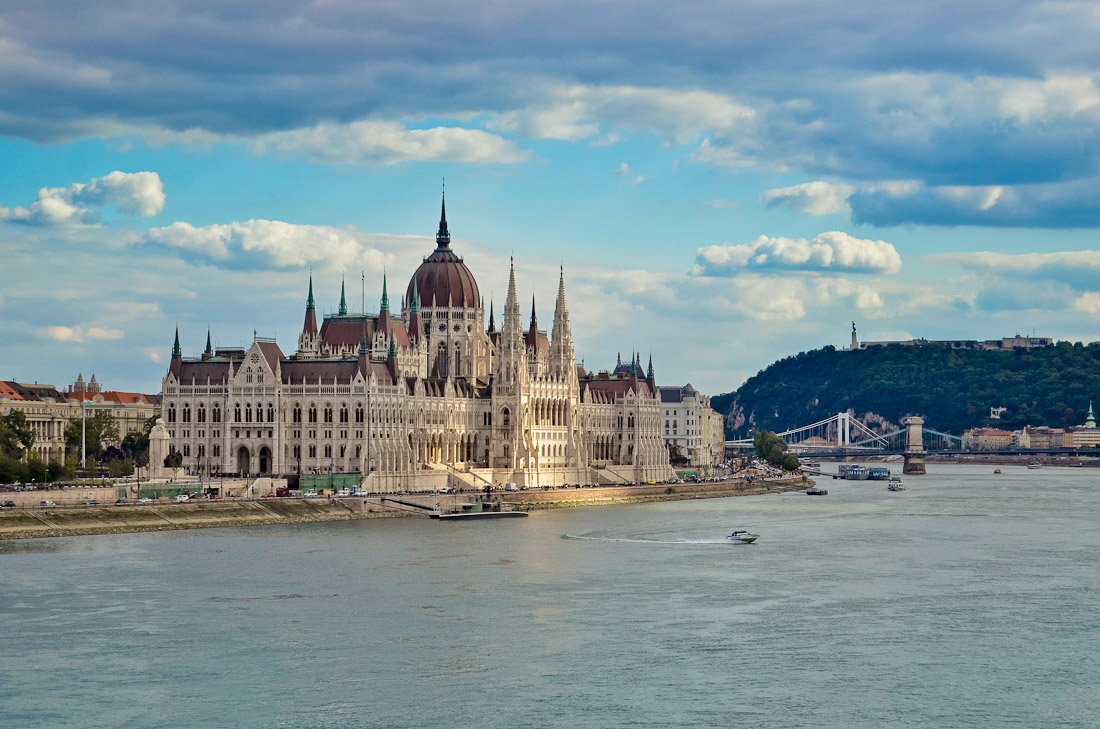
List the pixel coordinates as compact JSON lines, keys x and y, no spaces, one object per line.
{"x":49,"y":411}
{"x":689,"y":423}
{"x":431,"y":391}
{"x":990,"y":437}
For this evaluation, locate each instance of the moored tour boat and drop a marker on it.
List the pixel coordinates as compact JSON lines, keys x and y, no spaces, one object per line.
{"x":817,"y":491}
{"x":895,"y":484}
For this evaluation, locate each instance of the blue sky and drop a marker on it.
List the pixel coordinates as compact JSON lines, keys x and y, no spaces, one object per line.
{"x":724,"y":185}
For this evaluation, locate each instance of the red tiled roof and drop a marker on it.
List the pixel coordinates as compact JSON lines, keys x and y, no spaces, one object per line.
{"x":7,"y":391}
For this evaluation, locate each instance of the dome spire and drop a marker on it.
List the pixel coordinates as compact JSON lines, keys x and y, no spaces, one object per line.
{"x":443,"y":235}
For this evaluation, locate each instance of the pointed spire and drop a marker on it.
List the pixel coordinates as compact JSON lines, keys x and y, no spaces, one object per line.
{"x":309,"y":326}
{"x":492,"y":321}
{"x":209,"y":351}
{"x":534,"y":321}
{"x":1091,"y":418}
{"x":649,"y":372}
{"x":443,"y":235}
{"x":176,"y":351}
{"x":385,"y":295}
{"x":414,"y":306}
{"x":343,"y":302}
{"x":391,"y":353}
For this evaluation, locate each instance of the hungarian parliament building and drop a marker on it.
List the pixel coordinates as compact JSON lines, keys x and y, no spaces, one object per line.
{"x":403,"y":400}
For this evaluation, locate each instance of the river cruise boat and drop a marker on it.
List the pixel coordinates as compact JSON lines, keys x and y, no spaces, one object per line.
{"x":742,"y":537}
{"x":895,"y":484}
{"x":817,"y":491}
{"x":476,"y":509}
{"x":879,"y":473}
{"x":854,"y":473}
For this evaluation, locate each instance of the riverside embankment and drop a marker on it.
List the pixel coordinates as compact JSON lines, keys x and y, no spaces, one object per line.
{"x":29,"y":522}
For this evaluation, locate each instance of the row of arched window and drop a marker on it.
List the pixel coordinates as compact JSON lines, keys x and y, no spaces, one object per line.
{"x":184,"y":414}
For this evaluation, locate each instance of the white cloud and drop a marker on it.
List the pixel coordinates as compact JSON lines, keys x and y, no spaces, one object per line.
{"x":812,"y":198}
{"x":279,"y":244}
{"x":624,"y":170}
{"x":833,"y":250}
{"x":80,"y":334}
{"x":390,"y":143}
{"x":137,"y":193}
{"x":578,"y":111}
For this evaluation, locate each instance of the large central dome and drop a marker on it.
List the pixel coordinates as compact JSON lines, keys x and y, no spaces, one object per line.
{"x":443,"y":279}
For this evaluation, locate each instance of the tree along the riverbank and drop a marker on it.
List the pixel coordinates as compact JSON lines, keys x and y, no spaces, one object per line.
{"x":953,"y":389}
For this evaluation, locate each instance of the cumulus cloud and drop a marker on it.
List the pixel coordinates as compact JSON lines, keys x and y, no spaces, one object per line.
{"x":580,"y":111}
{"x":276,"y":243}
{"x":624,"y":170}
{"x":812,"y":198}
{"x":834,"y":250}
{"x":390,"y":143}
{"x":80,"y":334}
{"x":136,"y":193}
{"x":1076,"y":268}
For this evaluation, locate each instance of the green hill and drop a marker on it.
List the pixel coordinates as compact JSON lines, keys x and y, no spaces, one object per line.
{"x":953,"y":389}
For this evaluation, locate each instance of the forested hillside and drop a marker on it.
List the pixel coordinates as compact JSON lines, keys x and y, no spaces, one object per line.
{"x":953,"y":389}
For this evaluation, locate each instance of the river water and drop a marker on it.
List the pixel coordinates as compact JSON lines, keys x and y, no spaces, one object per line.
{"x":969,"y":600}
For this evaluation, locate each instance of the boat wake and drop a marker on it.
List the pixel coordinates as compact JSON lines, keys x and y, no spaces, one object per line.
{"x":641,"y":540}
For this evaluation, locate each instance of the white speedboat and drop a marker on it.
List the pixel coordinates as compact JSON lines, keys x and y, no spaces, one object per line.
{"x":1034,"y":464}
{"x":895,"y":484}
{"x":742,"y":537}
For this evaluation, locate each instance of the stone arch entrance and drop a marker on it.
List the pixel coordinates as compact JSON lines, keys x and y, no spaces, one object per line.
{"x":244,"y":461}
{"x":265,"y":460}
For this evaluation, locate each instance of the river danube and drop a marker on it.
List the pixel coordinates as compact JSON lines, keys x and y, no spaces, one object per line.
{"x":969,"y":600}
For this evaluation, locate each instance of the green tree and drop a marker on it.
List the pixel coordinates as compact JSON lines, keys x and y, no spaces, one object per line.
{"x":12,"y":470}
{"x":100,"y":431}
{"x":770,"y":447}
{"x":116,"y":468}
{"x":16,"y":434}
{"x":791,"y":462}
{"x":36,"y":468}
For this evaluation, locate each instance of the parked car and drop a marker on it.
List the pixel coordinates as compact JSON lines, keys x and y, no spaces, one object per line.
{"x":145,"y":500}
{"x":511,"y":487}
{"x":121,"y":501}
{"x":344,"y":492}
{"x":7,"y":504}
{"x":47,"y":502}
{"x":91,"y":502}
{"x":181,"y":498}
{"x":310,"y":494}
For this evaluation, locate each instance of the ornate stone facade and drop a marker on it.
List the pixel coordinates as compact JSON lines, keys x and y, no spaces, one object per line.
{"x":434,"y":391}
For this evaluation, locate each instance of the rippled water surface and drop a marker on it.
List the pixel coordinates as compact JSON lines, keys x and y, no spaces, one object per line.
{"x":969,"y":600}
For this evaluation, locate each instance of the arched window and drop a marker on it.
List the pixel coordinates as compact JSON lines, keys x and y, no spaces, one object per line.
{"x":202,"y":413}
{"x":312,"y":413}
{"x":270,"y":413}
{"x":328,"y":413}
{"x":236,"y":412}
{"x":343,"y":413}
{"x":172,"y":413}
{"x":187,"y":413}
{"x":505,"y":417}
{"x":297,"y":413}
{"x":216,"y":414}
{"x":359,"y":413}
{"x":247,"y":413}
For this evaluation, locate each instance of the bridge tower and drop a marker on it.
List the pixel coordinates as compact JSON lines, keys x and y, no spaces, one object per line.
{"x":914,"y":445}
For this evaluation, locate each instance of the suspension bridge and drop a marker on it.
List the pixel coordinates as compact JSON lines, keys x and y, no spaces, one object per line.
{"x":844,"y":435}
